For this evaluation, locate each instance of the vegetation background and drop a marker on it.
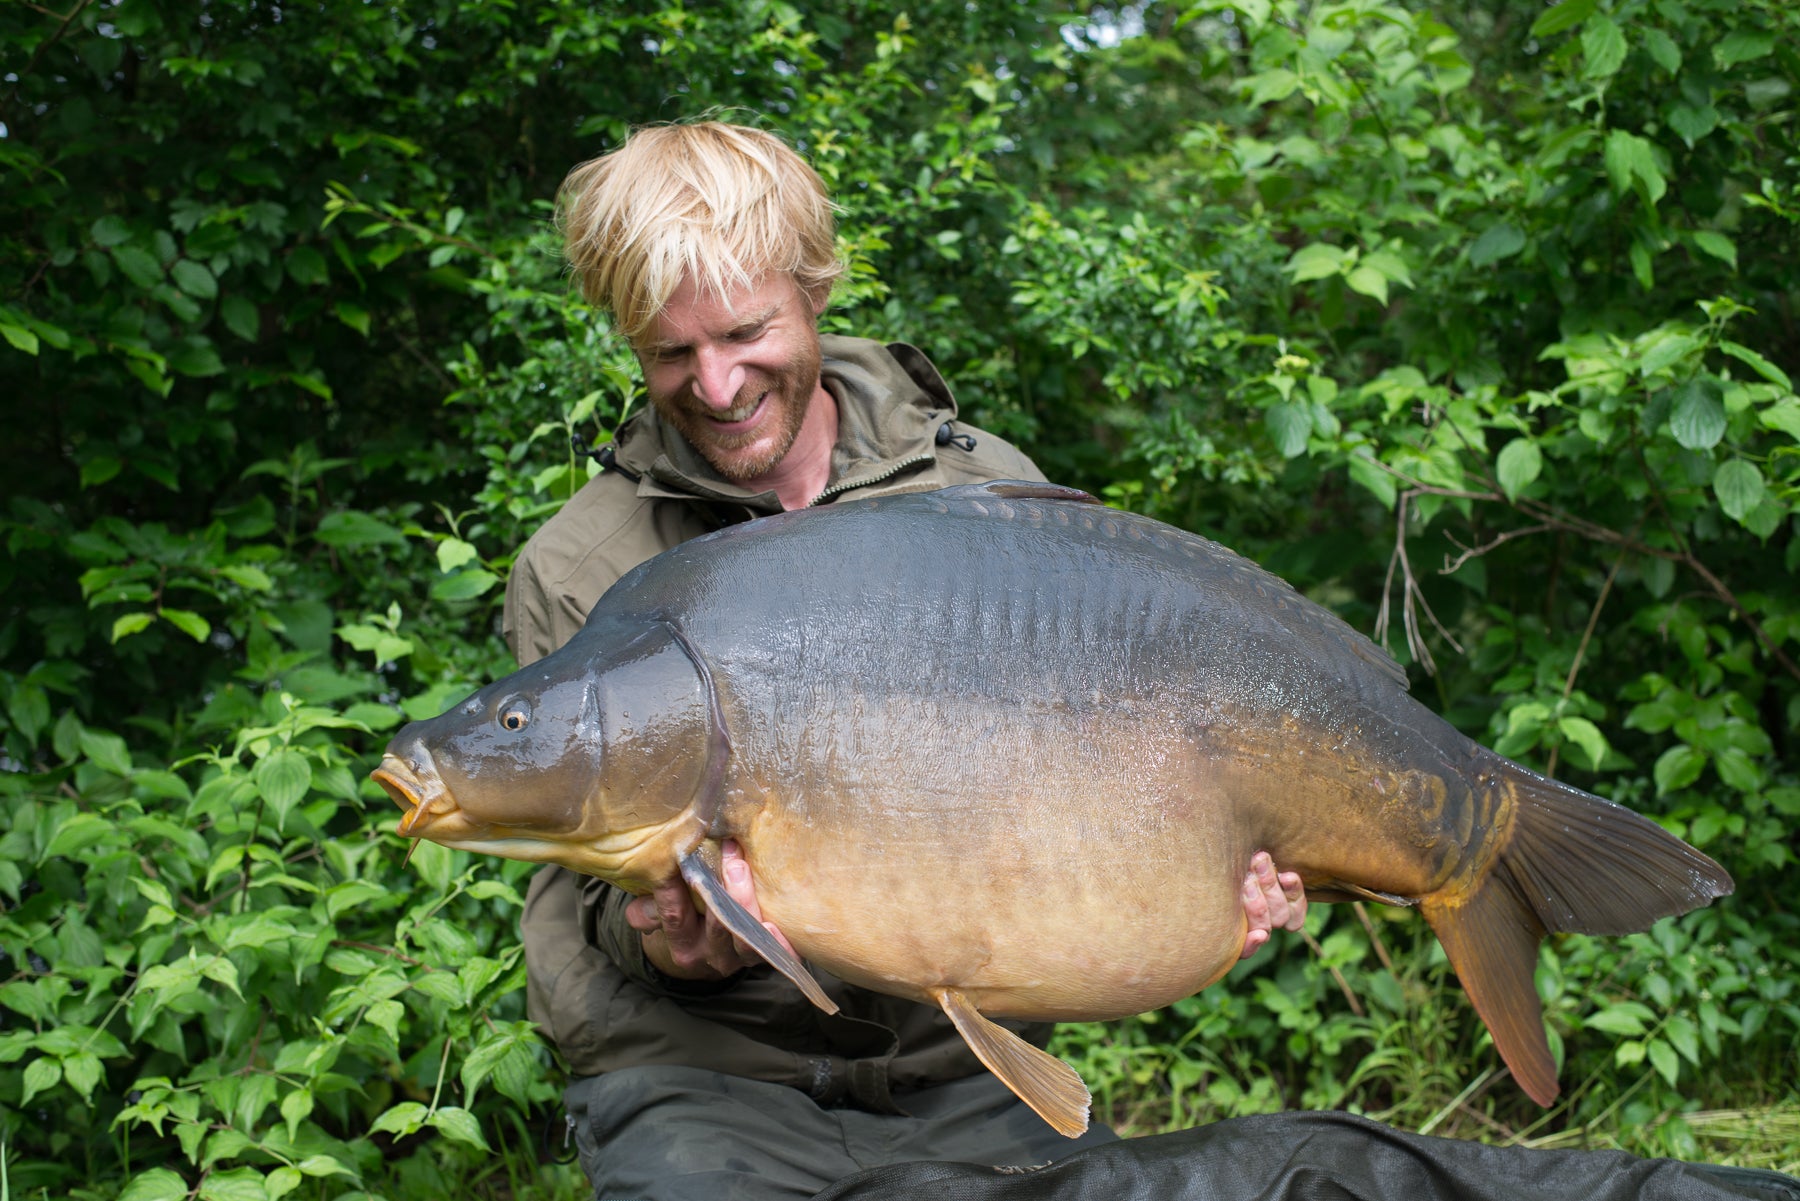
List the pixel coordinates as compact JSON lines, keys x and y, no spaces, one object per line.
{"x":1476,"y":320}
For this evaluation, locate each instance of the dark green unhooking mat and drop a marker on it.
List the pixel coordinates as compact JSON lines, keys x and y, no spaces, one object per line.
{"x":1317,"y":1157}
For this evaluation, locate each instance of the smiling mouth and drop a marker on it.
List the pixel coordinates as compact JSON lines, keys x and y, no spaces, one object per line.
{"x":739,"y":418}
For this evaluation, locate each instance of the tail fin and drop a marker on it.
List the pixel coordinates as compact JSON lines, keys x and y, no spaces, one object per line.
{"x":1571,"y":863}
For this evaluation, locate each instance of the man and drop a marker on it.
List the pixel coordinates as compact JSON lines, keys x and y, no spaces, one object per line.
{"x":700,"y":1072}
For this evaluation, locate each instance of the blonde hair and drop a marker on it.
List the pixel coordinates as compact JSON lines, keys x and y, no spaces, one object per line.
{"x":723,"y":204}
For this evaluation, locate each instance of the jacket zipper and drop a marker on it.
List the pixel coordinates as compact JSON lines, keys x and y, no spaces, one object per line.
{"x":893,"y":470}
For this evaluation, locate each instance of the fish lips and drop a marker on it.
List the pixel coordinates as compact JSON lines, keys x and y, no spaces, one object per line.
{"x":416,"y":788}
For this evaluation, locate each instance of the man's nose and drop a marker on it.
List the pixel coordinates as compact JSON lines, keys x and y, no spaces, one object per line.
{"x":717,"y":380}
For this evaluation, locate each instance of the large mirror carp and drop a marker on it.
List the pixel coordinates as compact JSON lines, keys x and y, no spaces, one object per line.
{"x":1004,"y":750}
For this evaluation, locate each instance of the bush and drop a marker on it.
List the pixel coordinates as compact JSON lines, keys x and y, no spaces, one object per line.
{"x":1358,"y":289}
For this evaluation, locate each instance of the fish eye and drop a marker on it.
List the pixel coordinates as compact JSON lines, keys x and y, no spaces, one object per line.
{"x":516,"y":715}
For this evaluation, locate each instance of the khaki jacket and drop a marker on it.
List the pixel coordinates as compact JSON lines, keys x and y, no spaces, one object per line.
{"x":588,"y":984}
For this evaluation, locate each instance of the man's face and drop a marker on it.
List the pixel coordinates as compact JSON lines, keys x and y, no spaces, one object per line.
{"x":734,"y":377}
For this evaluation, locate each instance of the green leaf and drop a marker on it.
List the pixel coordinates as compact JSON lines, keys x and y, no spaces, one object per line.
{"x":110,"y":231}
{"x":189,"y":623}
{"x":282,"y":1181}
{"x":307,"y":266}
{"x":353,"y":315}
{"x":1693,"y":123}
{"x":1741,"y":46}
{"x":80,"y":831}
{"x":41,"y":1075}
{"x":223,"y":971}
{"x":1566,"y":15}
{"x":1698,"y":419}
{"x":386,"y":1015}
{"x":1368,"y":281}
{"x":237,"y":1184}
{"x":1603,"y":48}
{"x":107,"y":751}
{"x":246,"y":576}
{"x":99,"y":469}
{"x":453,"y":553}
{"x":1758,"y":364}
{"x":1738,"y":770}
{"x":296,"y":1107}
{"x":1270,"y":86}
{"x":195,"y":279}
{"x":1663,"y":50}
{"x":130,"y":624}
{"x":465,"y":585}
{"x":138,"y":265}
{"x":1739,"y":487}
{"x":1664,"y":349}
{"x":1717,"y":245}
{"x":1317,"y":261}
{"x":403,"y":1119}
{"x":158,"y":1184}
{"x":1497,"y":242}
{"x":459,"y":1125}
{"x":82,"y":1071}
{"x":197,"y":357}
{"x":350,"y":527}
{"x":1625,"y":1018}
{"x":1784,"y":416}
{"x":283,"y":777}
{"x":1678,"y":767}
{"x":1586,"y":735}
{"x":1520,"y":463}
{"x":1629,"y":157}
{"x":20,"y":337}
{"x":241,"y":317}
{"x":1663,"y":1059}
{"x":1289,"y":426}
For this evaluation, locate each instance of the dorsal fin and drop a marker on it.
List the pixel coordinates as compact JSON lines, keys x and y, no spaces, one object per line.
{"x":1030,"y":490}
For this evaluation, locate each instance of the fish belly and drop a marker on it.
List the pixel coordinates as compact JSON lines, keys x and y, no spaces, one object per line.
{"x":1052,"y":895}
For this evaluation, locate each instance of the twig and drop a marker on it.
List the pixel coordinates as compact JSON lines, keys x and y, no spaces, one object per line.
{"x":1362,"y":912}
{"x":45,"y":45}
{"x":1587,"y":635}
{"x":1412,"y":599}
{"x":1343,"y":984}
{"x":1475,"y":552}
{"x":1550,"y":519}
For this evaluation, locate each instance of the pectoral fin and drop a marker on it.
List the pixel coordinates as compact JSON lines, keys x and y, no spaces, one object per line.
{"x":1327,"y":892}
{"x":1041,"y":1080}
{"x":737,"y":919}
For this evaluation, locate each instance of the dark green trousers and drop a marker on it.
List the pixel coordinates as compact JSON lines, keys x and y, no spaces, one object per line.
{"x":687,"y":1134}
{"x":1320,"y":1157}
{"x":684,"y":1134}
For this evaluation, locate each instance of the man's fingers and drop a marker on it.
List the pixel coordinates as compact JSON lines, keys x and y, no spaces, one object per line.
{"x":736,"y":870}
{"x":1295,"y":892}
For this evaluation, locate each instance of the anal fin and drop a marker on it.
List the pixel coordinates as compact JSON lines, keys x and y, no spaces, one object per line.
{"x":1041,"y":1080}
{"x":738,"y":920}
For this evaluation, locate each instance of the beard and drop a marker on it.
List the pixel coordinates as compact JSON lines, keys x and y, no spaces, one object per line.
{"x":737,"y":455}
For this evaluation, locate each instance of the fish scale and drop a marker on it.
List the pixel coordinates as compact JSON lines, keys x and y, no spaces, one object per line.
{"x":1079,"y":724}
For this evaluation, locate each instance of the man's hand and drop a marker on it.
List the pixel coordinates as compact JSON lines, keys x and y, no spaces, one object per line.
{"x":684,"y":944}
{"x":1271,"y":901}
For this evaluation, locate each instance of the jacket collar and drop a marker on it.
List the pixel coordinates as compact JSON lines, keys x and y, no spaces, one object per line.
{"x":891,"y":402}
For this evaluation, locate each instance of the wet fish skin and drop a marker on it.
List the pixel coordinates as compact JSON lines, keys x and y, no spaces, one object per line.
{"x":1001,"y":749}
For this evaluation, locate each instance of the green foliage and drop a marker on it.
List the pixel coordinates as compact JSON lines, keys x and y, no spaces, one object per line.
{"x":1359,"y":288}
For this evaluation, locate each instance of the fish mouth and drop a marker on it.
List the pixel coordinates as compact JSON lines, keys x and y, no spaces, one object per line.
{"x":423,"y":796}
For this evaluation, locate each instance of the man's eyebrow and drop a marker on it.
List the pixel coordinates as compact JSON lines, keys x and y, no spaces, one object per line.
{"x":748,"y":321}
{"x":752,"y":320}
